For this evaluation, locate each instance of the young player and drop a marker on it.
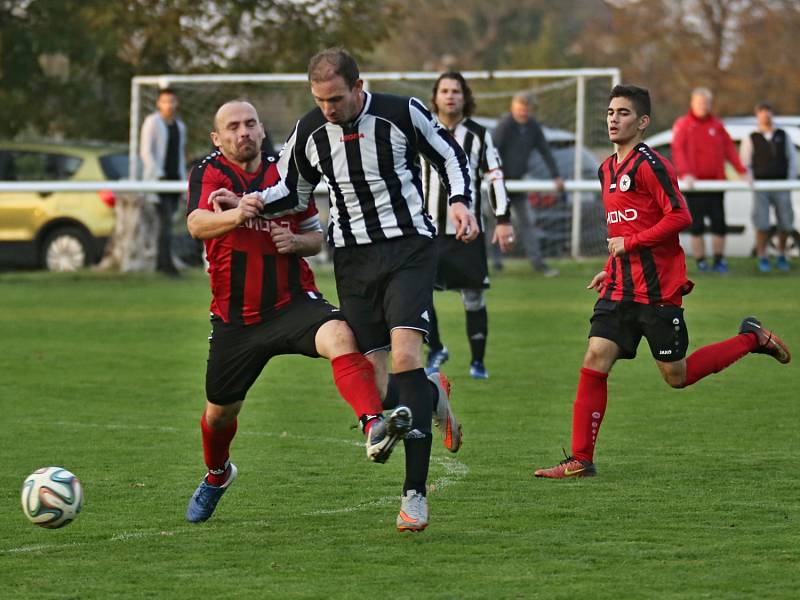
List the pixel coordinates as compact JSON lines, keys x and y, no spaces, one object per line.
{"x":265,"y":303}
{"x":644,"y":280}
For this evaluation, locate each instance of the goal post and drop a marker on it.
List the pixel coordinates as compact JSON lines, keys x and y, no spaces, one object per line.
{"x":569,"y":103}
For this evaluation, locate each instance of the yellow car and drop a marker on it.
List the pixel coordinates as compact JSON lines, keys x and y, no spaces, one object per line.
{"x":58,"y":231}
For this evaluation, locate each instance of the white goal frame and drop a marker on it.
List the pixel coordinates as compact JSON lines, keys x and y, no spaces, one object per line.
{"x":579,"y":75}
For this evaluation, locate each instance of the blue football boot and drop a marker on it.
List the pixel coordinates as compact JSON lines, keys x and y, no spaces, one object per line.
{"x":206,"y":496}
{"x":436,"y":358}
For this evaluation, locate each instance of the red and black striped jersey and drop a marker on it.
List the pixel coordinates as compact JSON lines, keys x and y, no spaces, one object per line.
{"x":644,"y":205}
{"x":249,"y":278}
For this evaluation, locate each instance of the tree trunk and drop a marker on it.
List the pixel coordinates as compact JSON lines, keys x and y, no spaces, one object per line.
{"x":134,"y":242}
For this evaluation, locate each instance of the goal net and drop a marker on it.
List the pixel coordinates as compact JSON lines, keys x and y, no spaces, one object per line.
{"x":569,"y":103}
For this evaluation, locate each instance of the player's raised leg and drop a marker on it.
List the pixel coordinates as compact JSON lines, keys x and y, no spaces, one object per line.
{"x":354,"y":376}
{"x":753,"y":338}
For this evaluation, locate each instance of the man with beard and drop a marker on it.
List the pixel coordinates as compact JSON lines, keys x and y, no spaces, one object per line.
{"x":265,"y":303}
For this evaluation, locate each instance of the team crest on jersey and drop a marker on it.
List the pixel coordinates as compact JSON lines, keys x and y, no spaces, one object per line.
{"x":624,"y":183}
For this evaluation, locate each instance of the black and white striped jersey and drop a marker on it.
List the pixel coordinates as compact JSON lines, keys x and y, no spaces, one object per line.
{"x":484,"y":163}
{"x":371,"y":167}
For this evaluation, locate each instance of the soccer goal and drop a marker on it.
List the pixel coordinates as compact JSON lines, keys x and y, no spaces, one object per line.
{"x":569,"y":103}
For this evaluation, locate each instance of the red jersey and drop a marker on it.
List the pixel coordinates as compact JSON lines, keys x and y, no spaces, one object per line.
{"x":700,"y":148}
{"x":644,"y":206}
{"x":249,"y":278}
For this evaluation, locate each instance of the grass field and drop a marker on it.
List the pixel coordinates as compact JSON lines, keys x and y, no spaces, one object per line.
{"x":698,"y":493}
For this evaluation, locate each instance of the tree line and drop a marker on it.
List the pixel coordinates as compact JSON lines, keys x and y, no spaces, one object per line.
{"x":66,"y":65}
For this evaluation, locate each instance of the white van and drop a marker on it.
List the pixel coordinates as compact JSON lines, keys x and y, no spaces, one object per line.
{"x":738,"y":205}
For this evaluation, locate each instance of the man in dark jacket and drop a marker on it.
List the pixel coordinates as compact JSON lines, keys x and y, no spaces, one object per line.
{"x":516,"y":136}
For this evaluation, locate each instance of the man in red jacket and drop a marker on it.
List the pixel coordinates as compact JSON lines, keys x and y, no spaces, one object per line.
{"x":643,"y":283}
{"x":700,"y":147}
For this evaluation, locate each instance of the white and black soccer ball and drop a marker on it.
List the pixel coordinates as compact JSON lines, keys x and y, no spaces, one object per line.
{"x":52,"y":497}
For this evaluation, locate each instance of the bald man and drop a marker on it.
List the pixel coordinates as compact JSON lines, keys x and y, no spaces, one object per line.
{"x":265,"y":303}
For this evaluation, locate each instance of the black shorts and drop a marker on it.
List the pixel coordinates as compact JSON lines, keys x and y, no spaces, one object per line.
{"x":238,"y":353}
{"x":624,"y":323}
{"x":704,"y":205}
{"x":385,"y":286}
{"x":461,"y":266}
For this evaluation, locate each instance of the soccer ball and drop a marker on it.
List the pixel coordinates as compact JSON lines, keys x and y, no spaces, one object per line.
{"x":52,"y":497}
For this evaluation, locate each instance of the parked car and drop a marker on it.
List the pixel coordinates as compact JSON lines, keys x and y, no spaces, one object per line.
{"x":739,"y":205}
{"x":58,"y":231}
{"x":554,"y":211}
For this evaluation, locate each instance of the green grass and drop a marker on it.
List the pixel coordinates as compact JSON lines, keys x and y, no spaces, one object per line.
{"x":697,"y":495}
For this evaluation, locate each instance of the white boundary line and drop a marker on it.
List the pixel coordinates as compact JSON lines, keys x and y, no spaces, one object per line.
{"x":118,"y":537}
{"x":125,"y":536}
{"x":454,"y":472}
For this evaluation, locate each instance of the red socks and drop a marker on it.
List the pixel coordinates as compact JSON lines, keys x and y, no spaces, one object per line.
{"x":355,"y":379}
{"x":588,"y":411}
{"x":216,"y":449}
{"x":592,"y":396}
{"x":715,"y":357}
{"x":354,"y":376}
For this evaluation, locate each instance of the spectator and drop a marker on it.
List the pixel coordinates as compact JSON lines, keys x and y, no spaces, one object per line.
{"x":162,"y":150}
{"x":768,"y":153}
{"x":516,"y":136}
{"x":700,"y":147}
